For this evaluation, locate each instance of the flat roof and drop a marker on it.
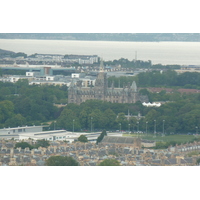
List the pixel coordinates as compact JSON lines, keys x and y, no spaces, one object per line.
{"x":20,"y":127}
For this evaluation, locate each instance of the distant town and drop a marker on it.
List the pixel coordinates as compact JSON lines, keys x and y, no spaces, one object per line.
{"x":121,"y":112}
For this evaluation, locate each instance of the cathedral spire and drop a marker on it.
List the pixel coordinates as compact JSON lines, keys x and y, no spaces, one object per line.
{"x":134,"y":86}
{"x":101,"y":65}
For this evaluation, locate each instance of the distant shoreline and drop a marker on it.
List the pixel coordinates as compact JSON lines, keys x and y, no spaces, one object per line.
{"x":95,"y":40}
{"x":115,"y":37}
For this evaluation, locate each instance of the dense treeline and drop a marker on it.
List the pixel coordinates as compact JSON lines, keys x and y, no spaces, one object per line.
{"x":180,"y":116}
{"x":129,"y":64}
{"x":135,"y":64}
{"x":96,"y":115}
{"x":168,"y":78}
{"x":22,"y":104}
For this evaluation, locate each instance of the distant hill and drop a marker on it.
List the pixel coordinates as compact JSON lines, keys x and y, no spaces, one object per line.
{"x":142,"y":37}
{"x":5,"y":53}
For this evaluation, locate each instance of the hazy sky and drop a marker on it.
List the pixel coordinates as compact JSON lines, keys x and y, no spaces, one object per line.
{"x":102,"y":16}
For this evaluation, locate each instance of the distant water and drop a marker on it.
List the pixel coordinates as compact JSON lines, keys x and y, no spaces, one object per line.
{"x":182,"y":53}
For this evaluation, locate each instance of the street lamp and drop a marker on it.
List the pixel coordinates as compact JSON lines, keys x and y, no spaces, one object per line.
{"x":137,"y":127}
{"x":155,"y":127}
{"x":163,"y":127}
{"x":146,"y":127}
{"x":91,"y":124}
{"x":196,"y":129}
{"x":120,"y":127}
{"x":54,"y":124}
{"x":73,"y":125}
{"x":129,"y":128}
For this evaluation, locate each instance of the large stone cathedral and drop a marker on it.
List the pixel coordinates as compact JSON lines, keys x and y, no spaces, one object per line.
{"x":129,"y":94}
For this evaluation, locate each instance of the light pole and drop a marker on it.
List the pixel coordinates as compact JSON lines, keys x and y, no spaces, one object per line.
{"x":91,"y":124}
{"x":163,"y":127}
{"x":137,"y":127}
{"x":196,"y":129}
{"x":120,"y":127}
{"x":73,"y":125}
{"x":146,"y":127}
{"x":54,"y":125}
{"x":129,"y":128}
{"x":155,"y":127}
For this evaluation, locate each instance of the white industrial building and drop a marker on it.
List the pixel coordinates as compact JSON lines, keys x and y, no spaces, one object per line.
{"x":62,"y":135}
{"x":37,"y":133}
{"x":9,"y":133}
{"x":154,"y":104}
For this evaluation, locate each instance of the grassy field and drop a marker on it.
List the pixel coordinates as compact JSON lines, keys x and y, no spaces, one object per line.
{"x":167,"y":138}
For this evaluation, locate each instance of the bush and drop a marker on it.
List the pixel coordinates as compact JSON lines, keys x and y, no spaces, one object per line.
{"x":61,"y":161}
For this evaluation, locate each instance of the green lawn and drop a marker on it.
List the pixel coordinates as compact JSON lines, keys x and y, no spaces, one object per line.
{"x":167,"y":138}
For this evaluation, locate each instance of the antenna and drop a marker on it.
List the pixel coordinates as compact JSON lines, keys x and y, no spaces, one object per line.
{"x":135,"y":59}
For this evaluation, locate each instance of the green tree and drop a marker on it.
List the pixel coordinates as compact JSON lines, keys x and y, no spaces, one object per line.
{"x":23,"y":145}
{"x":61,"y":161}
{"x":121,"y":119}
{"x":109,"y":162}
{"x":82,"y":138}
{"x":97,"y":118}
{"x":15,"y":120}
{"x":198,"y":161}
{"x":84,"y":119}
{"x":42,"y":143}
{"x":109,"y":118}
{"x":66,"y":118}
{"x":6,"y":110}
{"x":100,"y":138}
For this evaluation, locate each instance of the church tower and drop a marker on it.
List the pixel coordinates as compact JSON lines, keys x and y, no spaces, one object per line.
{"x":100,"y":87}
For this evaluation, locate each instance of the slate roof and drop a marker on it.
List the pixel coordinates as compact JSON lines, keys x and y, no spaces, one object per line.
{"x":118,"y":140}
{"x":9,"y":145}
{"x":187,"y":160}
{"x":40,"y":163}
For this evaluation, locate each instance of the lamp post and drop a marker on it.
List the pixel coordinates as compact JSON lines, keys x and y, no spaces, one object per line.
{"x":155,"y":127}
{"x":163,"y":127}
{"x":73,"y":125}
{"x":146,"y":127}
{"x":137,"y":127}
{"x":120,"y":127}
{"x":196,"y":129}
{"x":54,"y":125}
{"x":91,"y":124}
{"x":129,"y":128}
